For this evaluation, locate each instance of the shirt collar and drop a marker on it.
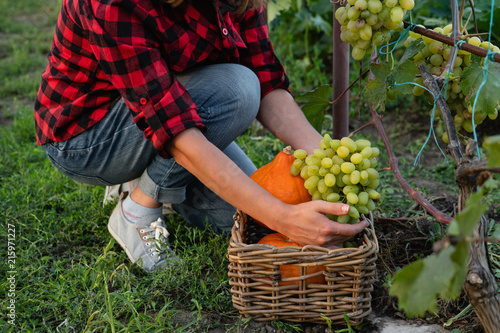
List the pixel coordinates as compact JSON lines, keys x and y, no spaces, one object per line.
{"x":226,"y":6}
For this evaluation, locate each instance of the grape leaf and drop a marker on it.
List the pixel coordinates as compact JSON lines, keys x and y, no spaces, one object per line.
{"x":465,"y":221}
{"x":275,"y":7}
{"x":316,"y":103}
{"x":419,"y":284}
{"x":376,"y":88}
{"x":492,"y":146}
{"x":411,"y":51}
{"x":405,"y":69}
{"x":496,"y":231}
{"x":404,"y":72}
{"x":460,"y":260}
{"x":472,"y":77}
{"x":320,"y":24}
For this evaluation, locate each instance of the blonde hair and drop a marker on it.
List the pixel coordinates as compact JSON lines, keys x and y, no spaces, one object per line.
{"x":243,"y":5}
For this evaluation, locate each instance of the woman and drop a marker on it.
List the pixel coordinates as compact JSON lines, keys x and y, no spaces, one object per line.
{"x":158,"y":91}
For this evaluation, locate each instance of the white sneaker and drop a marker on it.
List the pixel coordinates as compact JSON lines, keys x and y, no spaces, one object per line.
{"x":145,"y":242}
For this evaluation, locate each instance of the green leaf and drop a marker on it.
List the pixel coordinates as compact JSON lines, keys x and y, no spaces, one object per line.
{"x":453,"y":228}
{"x":460,"y":260}
{"x":376,"y":88}
{"x":472,"y":77}
{"x":320,"y":24}
{"x":465,"y":221}
{"x":397,"y":78}
{"x":316,"y":103}
{"x":404,"y":72}
{"x":419,"y":284}
{"x":403,"y":282}
{"x":492,"y":146}
{"x":496,"y":231}
{"x":275,"y":7}
{"x":299,"y":5}
{"x":412,"y":49}
{"x":405,"y":69}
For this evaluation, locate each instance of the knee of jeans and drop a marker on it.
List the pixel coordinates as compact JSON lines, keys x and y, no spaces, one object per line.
{"x":245,"y":84}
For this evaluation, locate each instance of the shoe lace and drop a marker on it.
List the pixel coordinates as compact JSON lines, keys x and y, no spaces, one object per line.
{"x":160,"y":230}
{"x":160,"y":233}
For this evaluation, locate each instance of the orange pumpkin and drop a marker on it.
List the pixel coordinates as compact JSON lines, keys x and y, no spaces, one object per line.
{"x":288,"y":271}
{"x":275,"y":177}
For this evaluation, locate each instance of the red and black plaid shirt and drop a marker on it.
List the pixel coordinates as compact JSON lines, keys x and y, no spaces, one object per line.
{"x":104,"y":50}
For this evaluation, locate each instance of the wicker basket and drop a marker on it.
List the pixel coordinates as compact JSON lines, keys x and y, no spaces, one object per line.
{"x":254,"y":272}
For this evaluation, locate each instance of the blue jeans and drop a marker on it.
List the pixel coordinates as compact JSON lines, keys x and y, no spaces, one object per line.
{"x":114,"y":150}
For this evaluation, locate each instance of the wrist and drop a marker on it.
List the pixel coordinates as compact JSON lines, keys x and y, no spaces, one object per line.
{"x":274,"y":215}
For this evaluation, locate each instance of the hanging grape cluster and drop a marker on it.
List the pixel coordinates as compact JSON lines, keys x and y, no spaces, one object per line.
{"x":368,"y":23}
{"x":341,"y":171}
{"x":434,"y":56}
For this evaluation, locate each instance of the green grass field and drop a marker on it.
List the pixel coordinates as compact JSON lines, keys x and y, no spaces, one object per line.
{"x":60,"y":269}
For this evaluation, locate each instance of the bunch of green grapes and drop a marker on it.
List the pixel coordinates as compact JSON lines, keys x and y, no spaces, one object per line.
{"x":368,"y":23}
{"x":434,"y":56}
{"x":341,"y":171}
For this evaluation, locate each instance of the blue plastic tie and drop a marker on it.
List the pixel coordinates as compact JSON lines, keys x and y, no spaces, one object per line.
{"x":396,"y":42}
{"x":401,"y":36}
{"x":491,"y":55}
{"x":431,"y":129}
{"x":459,"y":44}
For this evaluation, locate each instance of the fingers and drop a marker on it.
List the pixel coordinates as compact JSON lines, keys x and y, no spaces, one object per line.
{"x":350,"y":229}
{"x":334,"y":208}
{"x":319,"y":229}
{"x":344,"y":232}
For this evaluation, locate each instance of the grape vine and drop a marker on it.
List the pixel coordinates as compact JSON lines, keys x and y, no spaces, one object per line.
{"x":465,"y":94}
{"x":462,"y":73}
{"x":436,"y":56}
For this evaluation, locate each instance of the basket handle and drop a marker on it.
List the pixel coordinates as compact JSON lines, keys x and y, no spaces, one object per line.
{"x":372,"y":228}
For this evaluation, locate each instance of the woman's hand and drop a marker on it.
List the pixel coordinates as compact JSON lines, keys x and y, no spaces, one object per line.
{"x":307,"y":224}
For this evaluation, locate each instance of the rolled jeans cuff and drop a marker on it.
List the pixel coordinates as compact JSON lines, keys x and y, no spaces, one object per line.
{"x":172,"y":195}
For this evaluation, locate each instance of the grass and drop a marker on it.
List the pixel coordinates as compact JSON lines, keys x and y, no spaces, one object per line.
{"x":70,"y":271}
{"x":70,"y":275}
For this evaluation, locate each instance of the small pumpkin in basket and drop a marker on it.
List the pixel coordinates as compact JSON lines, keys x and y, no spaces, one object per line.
{"x":275,"y":177}
{"x":289,"y":271}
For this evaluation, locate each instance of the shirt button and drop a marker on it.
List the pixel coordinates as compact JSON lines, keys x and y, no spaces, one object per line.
{"x":143,"y":101}
{"x":224,"y":31}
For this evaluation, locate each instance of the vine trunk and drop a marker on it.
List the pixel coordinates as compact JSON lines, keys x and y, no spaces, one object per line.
{"x":480,"y":285}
